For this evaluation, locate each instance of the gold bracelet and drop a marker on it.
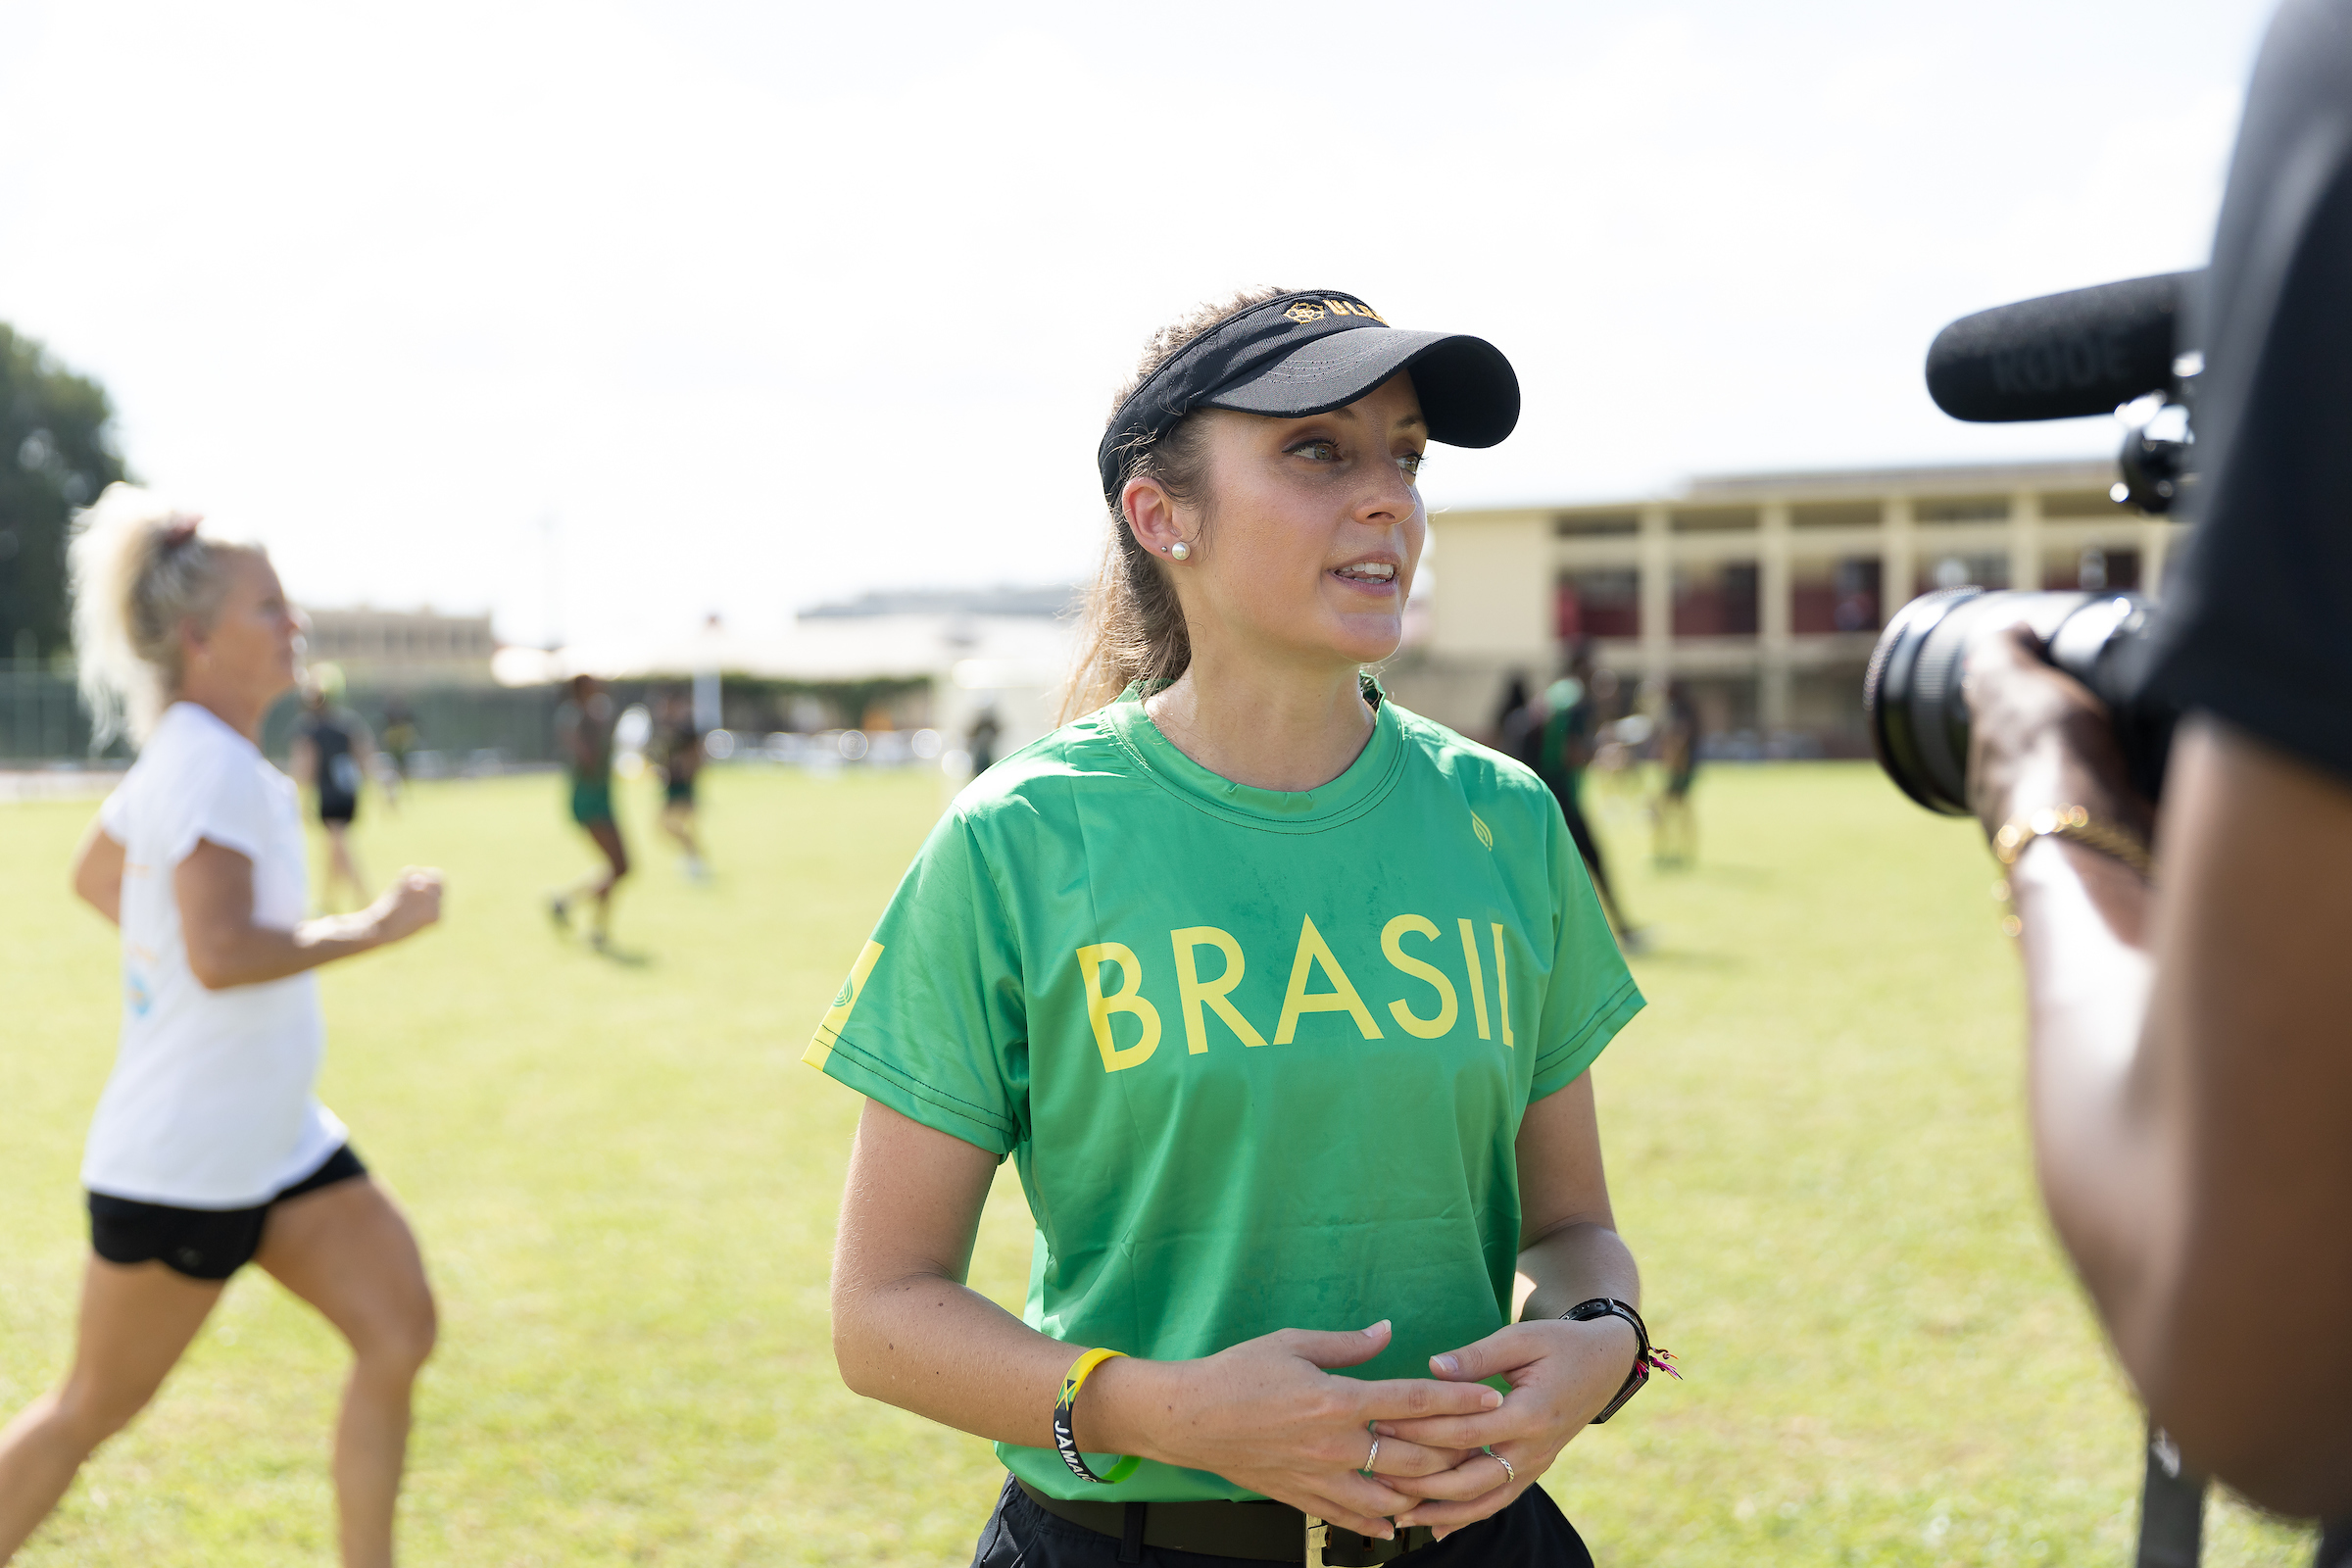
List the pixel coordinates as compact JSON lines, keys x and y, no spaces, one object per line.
{"x":2070,"y":822}
{"x":2074,"y":823}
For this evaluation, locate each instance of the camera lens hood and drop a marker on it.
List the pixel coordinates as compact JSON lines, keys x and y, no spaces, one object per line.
{"x":1909,"y":694}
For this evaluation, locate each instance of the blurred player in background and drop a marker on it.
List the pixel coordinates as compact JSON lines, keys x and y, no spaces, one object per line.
{"x":680,"y":756}
{"x":1674,"y":829}
{"x":209,"y":1149}
{"x":1514,"y":715}
{"x":584,"y":724}
{"x":986,"y":730}
{"x":331,"y":759}
{"x":400,"y":739}
{"x":1562,"y":748}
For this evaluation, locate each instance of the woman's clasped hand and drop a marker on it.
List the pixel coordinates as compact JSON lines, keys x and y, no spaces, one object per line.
{"x":1266,"y":1414}
{"x":1269,"y":1415}
{"x":1561,"y":1375}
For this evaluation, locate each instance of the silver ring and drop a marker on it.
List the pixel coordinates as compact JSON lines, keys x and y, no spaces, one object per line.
{"x":1370,"y":1457}
{"x":1511,"y":1475}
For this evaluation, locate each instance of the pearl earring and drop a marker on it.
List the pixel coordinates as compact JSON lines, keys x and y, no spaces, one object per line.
{"x":1180,"y":551}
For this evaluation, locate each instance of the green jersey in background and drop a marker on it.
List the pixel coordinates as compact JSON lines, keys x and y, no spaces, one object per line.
{"x":1260,"y":1057}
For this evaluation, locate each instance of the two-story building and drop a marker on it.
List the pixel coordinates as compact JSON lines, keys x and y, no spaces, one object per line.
{"x":1764,"y":593}
{"x":402,"y":650}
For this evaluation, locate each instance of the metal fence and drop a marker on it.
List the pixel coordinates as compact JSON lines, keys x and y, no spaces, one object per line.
{"x":41,"y":718}
{"x":462,"y":728}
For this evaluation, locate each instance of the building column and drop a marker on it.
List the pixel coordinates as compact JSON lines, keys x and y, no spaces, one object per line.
{"x":1657,"y":595}
{"x":2155,"y":537}
{"x":2025,"y":540}
{"x":1898,"y":557}
{"x":1774,"y":578}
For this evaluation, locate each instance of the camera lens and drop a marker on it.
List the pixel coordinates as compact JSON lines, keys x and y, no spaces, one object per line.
{"x":1911,"y":697}
{"x":1918,"y":714}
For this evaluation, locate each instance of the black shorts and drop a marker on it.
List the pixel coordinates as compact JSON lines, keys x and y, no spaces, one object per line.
{"x":678,"y":792}
{"x":338,"y":808}
{"x":203,"y":1243}
{"x":1532,"y":1533}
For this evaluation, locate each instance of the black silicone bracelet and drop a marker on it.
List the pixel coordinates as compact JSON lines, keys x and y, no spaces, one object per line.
{"x":1610,"y":1307}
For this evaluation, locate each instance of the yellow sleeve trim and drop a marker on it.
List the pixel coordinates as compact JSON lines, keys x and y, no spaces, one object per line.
{"x":844,"y":1002}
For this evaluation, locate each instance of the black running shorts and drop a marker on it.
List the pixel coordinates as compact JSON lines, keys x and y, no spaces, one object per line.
{"x":203,"y":1243}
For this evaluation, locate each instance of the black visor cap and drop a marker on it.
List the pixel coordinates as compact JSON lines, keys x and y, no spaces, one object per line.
{"x":1303,"y":354}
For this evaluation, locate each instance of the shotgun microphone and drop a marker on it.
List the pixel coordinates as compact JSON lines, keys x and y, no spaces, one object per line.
{"x":2063,"y":356}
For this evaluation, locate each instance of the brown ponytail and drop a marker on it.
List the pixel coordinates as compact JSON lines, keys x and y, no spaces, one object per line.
{"x":1132,"y":626}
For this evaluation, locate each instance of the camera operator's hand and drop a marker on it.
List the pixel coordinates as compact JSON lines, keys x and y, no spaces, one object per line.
{"x":2038,"y":738}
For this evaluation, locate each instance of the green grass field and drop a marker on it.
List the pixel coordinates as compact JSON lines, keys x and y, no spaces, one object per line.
{"x":625,"y":1181}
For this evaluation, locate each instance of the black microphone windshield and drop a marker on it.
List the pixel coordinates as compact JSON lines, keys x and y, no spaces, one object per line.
{"x":2062,"y":356}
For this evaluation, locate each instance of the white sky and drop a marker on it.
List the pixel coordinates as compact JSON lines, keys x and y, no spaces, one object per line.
{"x":747,"y":306}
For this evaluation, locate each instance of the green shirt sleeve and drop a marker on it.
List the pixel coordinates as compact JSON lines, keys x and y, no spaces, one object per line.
{"x":1591,"y":994}
{"x":931,"y":1021}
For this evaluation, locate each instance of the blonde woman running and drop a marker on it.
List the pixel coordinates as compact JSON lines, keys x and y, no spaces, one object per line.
{"x":1282,"y":997}
{"x":208,"y":1150}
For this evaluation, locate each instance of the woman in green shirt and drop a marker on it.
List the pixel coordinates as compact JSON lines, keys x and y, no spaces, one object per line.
{"x":1283,"y":1000}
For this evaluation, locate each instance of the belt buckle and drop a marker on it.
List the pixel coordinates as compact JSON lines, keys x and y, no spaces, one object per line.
{"x":1349,"y":1548}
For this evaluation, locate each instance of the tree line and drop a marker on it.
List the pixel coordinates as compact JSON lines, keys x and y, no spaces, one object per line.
{"x":57,"y":451}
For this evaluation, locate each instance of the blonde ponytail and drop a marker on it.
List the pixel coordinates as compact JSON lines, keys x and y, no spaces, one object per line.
{"x":140,"y":572}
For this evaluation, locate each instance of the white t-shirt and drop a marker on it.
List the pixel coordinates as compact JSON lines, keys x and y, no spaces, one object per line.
{"x":209,"y":1105}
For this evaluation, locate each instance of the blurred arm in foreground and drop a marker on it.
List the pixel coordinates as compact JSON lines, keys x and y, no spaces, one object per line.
{"x":2192,"y":1072}
{"x":2191,"y":1040}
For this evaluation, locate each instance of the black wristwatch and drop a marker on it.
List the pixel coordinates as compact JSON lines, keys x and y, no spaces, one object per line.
{"x":1646,"y":1357}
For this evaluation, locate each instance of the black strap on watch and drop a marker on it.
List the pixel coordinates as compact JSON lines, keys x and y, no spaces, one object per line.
{"x":1646,"y":1357}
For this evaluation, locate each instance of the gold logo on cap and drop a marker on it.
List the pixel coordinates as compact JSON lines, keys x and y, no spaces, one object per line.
{"x":1303,"y":313}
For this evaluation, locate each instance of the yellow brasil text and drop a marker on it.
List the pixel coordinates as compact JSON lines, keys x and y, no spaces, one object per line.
{"x":1209,"y":964}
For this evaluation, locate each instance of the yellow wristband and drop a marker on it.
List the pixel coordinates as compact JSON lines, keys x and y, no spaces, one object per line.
{"x":1065,"y":1438}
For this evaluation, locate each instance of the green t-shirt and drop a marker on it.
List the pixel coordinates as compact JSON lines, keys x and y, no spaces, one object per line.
{"x":594,"y":724}
{"x":1260,"y":1057}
